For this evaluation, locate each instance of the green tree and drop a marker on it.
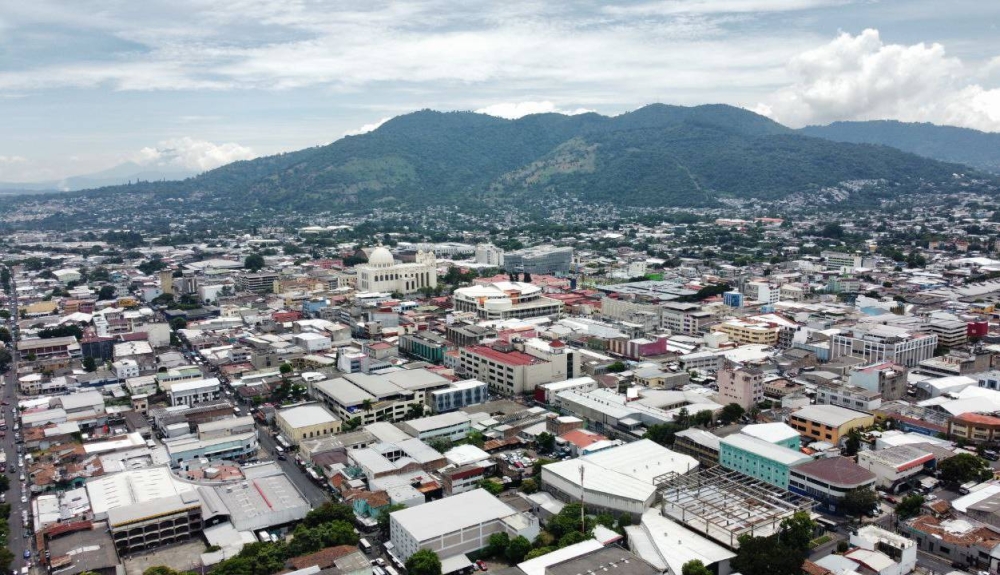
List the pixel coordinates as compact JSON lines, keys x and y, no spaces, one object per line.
{"x":89,"y":364}
{"x":518,"y":548}
{"x":285,"y":369}
{"x":106,"y":292}
{"x":695,"y":567}
{"x":178,"y":323}
{"x":617,"y":367}
{"x":254,"y":262}
{"x":494,"y":487}
{"x":853,"y":443}
{"x":572,"y":538}
{"x":546,"y":441}
{"x":779,"y":554}
{"x":909,"y":506}
{"x":702,"y":418}
{"x":858,"y":501}
{"x":423,"y":562}
{"x":538,"y":552}
{"x":415,"y":411}
{"x":529,"y":486}
{"x":5,"y":335}
{"x":965,"y":467}
{"x":329,"y":512}
{"x":498,"y":543}
{"x":662,"y":433}
{"x":730,"y":413}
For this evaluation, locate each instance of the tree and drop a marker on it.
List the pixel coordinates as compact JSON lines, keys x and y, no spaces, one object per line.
{"x":415,"y":411}
{"x":518,"y":548}
{"x":423,"y":562}
{"x":106,"y":292}
{"x":498,"y":543}
{"x":89,"y":364}
{"x":494,"y":487}
{"x":730,"y":413}
{"x":702,"y":418}
{"x":285,"y":369}
{"x":662,"y":433}
{"x":859,"y":501}
{"x":910,"y":506}
{"x":853,"y":443}
{"x":572,"y":538}
{"x":546,"y":441}
{"x":5,"y":335}
{"x":529,"y":486}
{"x":328,"y":512}
{"x":440,"y":444}
{"x":178,"y":323}
{"x":527,"y":278}
{"x":254,"y":262}
{"x":797,"y":531}
{"x":4,"y":483}
{"x":616,"y":367}
{"x":779,"y":554}
{"x":695,"y":567}
{"x":965,"y":467}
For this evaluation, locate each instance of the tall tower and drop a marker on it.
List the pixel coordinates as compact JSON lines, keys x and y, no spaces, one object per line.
{"x":167,"y":281}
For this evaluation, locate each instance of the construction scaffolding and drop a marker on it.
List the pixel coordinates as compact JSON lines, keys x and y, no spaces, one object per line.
{"x":723,"y":504}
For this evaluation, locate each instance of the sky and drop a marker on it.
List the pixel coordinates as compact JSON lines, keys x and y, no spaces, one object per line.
{"x":193,"y":84}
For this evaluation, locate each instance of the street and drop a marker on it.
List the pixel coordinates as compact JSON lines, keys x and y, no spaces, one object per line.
{"x":17,"y":542}
{"x":312,"y":492}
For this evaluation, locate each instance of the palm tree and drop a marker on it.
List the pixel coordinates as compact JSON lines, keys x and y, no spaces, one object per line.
{"x":366,"y":405}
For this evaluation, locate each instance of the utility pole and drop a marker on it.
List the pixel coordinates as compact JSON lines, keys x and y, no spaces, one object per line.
{"x":583,"y":513}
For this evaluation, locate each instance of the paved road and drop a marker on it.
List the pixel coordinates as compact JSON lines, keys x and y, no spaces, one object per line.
{"x":17,"y":542}
{"x":933,"y":563}
{"x":313,"y":493}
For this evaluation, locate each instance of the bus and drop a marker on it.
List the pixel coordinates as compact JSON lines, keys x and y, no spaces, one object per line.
{"x":279,"y":450}
{"x":365,"y":545}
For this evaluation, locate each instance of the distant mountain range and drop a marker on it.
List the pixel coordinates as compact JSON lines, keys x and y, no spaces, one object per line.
{"x":946,"y":143}
{"x":118,"y":175}
{"x":658,"y":155}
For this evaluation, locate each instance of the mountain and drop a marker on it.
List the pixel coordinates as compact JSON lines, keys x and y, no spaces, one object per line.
{"x":657,"y":155}
{"x":946,"y":143}
{"x":115,"y":176}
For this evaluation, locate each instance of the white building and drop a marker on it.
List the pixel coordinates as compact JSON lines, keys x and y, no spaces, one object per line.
{"x":194,"y":392}
{"x":505,"y":300}
{"x":619,"y":479}
{"x":383,"y":274}
{"x":667,"y":545}
{"x":489,"y":254}
{"x":897,"y":555}
{"x":125,"y":369}
{"x":313,"y":342}
{"x":454,"y":426}
{"x":457,"y":525}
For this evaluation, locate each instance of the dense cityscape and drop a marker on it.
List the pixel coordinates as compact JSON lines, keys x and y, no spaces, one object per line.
{"x":685,"y":390}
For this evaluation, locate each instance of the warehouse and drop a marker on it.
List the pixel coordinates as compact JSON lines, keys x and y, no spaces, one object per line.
{"x":306,"y":422}
{"x":457,"y":525}
{"x":667,"y":545}
{"x":618,"y":480}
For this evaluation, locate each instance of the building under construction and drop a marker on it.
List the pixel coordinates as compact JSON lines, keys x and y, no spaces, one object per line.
{"x":723,"y":504}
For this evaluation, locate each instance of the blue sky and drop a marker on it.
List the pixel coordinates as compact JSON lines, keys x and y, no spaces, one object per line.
{"x":193,"y":84}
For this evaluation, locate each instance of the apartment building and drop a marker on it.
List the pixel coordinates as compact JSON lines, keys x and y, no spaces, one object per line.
{"x":741,"y":385}
{"x":516,"y":371}
{"x":750,"y":332}
{"x":256,"y":283}
{"x":828,"y":423}
{"x":372,"y":398}
{"x":684,"y":318}
{"x":879,"y":343}
{"x":848,"y":396}
{"x":886,"y":378}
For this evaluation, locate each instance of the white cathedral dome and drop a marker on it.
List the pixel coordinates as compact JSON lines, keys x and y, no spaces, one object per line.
{"x":381,"y":258}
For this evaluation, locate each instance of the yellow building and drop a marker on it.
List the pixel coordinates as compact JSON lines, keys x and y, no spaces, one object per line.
{"x":829,"y":423}
{"x":744,"y":332}
{"x":311,"y":421}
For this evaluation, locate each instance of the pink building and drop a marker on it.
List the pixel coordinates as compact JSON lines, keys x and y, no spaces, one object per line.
{"x":740,"y":385}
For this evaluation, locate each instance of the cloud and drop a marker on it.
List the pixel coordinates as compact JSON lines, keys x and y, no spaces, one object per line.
{"x":191,"y":154}
{"x":861,"y":78}
{"x":720,"y":6}
{"x":367,"y":127}
{"x":514,"y":110}
{"x":12,"y":159}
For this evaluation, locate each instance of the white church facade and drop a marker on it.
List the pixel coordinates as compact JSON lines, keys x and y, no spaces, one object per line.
{"x":383,"y":274}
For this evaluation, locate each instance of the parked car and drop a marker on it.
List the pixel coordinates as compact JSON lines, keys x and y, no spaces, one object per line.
{"x":482,"y":565}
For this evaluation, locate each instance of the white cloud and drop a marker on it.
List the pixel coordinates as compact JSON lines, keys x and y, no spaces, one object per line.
{"x":861,"y":78}
{"x":513,"y":110}
{"x":191,"y":154}
{"x":367,"y":127}
{"x":12,"y":159}
{"x":665,"y":7}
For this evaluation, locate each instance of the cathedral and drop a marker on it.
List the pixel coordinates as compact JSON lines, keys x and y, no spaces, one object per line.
{"x":383,"y":274}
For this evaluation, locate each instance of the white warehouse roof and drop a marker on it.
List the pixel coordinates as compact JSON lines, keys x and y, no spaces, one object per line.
{"x":451,"y":514}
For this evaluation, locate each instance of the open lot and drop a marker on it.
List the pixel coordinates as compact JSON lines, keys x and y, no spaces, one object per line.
{"x":182,"y":557}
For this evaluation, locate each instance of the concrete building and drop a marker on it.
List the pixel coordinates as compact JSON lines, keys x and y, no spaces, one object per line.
{"x":195,"y":391}
{"x":828,"y":423}
{"x":876,"y":545}
{"x":895,"y":466}
{"x":741,"y":385}
{"x":617,"y":480}
{"x":700,"y":444}
{"x":878,"y":343}
{"x":383,"y":274}
{"x":454,"y":426}
{"x":544,"y":259}
{"x":950,"y":332}
{"x":668,"y":545}
{"x":828,"y":480}
{"x":458,"y":395}
{"x":886,"y":378}
{"x":684,"y":318}
{"x":372,"y":398}
{"x":235,"y":447}
{"x":777,"y":433}
{"x":759,"y":459}
{"x":518,"y":371}
{"x":262,"y":282}
{"x":505,"y":300}
{"x":975,"y":427}
{"x":425,"y":345}
{"x":306,"y":422}
{"x":848,"y":396}
{"x":490,"y":255}
{"x":456,"y":525}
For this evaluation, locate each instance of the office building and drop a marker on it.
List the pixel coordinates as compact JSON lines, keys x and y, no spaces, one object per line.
{"x":879,"y":343}
{"x":544,"y":259}
{"x":518,"y":371}
{"x":759,"y":459}
{"x":886,"y":378}
{"x":256,"y":282}
{"x":828,"y":423}
{"x":425,"y":345}
{"x":458,"y":395}
{"x":194,"y":391}
{"x":505,"y":300}
{"x":490,"y":255}
{"x":310,"y":421}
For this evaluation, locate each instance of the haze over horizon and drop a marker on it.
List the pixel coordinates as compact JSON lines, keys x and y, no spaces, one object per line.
{"x":188,"y":86}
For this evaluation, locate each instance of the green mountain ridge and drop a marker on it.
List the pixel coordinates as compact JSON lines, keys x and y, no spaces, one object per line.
{"x":658,"y":155}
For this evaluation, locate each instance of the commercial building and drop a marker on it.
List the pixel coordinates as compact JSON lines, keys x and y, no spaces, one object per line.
{"x":828,"y":480}
{"x":879,"y":343}
{"x":306,"y":422}
{"x":168,"y":378}
{"x":454,"y":426}
{"x":396,"y":458}
{"x":777,"y":433}
{"x":66,"y":346}
{"x":489,"y":254}
{"x":950,"y":332}
{"x":975,"y":427}
{"x":372,"y":398}
{"x":759,"y":459}
{"x":700,"y":444}
{"x":875,"y":545}
{"x":544,"y":259}
{"x":425,"y":345}
{"x":546,"y":393}
{"x":230,"y":447}
{"x":194,"y":391}
{"x":618,"y":480}
{"x":458,"y":395}
{"x":505,"y":300}
{"x":383,"y":274}
{"x":886,"y":378}
{"x":515,"y":371}
{"x":848,"y":396}
{"x":895,"y":466}
{"x":684,"y":318}
{"x":257,"y":283}
{"x":668,"y":545}
{"x":750,"y":332}
{"x":456,"y":525}
{"x":741,"y":385}
{"x":828,"y":423}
